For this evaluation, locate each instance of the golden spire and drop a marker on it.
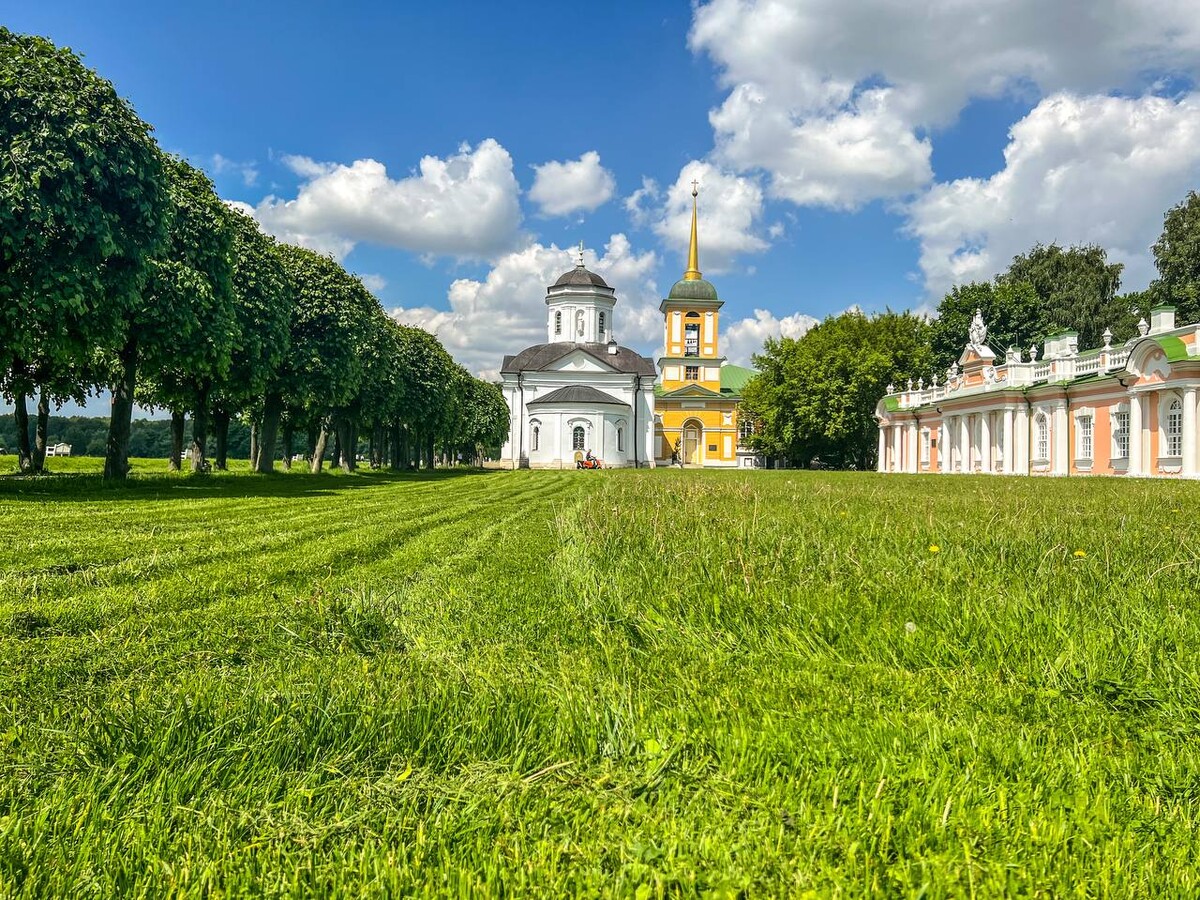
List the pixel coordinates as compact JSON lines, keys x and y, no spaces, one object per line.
{"x":693,"y":269}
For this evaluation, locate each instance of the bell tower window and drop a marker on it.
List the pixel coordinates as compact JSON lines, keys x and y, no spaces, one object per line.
{"x":691,"y":336}
{"x":601,"y":327}
{"x":558,"y":321}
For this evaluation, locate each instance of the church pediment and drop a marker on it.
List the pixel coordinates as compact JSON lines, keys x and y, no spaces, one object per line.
{"x":577,"y":361}
{"x":692,"y":391}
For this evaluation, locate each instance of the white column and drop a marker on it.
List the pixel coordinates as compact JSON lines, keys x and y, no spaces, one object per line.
{"x":1007,"y":440}
{"x":985,"y":441}
{"x":881,"y":465}
{"x":1061,"y":435}
{"x":1135,"y":434}
{"x":1189,"y":432}
{"x":914,"y":447}
{"x":964,"y":443}
{"x":1021,"y":440}
{"x":942,"y":459}
{"x":896,"y":448}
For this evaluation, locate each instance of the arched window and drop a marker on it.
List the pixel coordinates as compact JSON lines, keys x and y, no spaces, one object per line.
{"x":620,"y":439}
{"x":1175,"y":428}
{"x":577,"y":437}
{"x":535,"y":437}
{"x":602,"y":329}
{"x":1041,"y":430}
{"x":558,"y":321}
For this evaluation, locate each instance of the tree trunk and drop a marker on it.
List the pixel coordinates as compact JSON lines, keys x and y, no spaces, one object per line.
{"x":272,"y":410}
{"x":289,"y":433}
{"x":43,"y":426}
{"x":429,"y":445}
{"x":396,"y":461}
{"x":318,"y":456}
{"x":200,"y":436}
{"x":21,"y":417}
{"x":343,"y":444}
{"x":221,"y":437}
{"x":116,"y":451}
{"x":253,"y":445}
{"x":176,"y":457}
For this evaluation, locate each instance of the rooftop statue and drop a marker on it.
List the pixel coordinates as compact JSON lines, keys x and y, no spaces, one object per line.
{"x":978,"y":331}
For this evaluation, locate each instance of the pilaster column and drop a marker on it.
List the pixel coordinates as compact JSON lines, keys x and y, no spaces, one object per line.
{"x":910,"y":447}
{"x":964,"y":444}
{"x":942,"y":450}
{"x":1061,"y":436}
{"x":1135,"y":434}
{"x":1189,"y":432}
{"x":985,"y":442}
{"x":1007,"y":440}
{"x":896,"y":451}
{"x":1022,"y":461}
{"x":881,"y":463}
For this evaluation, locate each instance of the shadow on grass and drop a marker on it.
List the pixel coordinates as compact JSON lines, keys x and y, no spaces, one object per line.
{"x":89,"y":487}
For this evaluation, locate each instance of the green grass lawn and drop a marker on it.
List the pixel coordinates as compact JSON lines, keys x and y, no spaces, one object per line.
{"x":654,"y":683}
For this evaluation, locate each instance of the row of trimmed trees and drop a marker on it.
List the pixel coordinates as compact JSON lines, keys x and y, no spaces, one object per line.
{"x":123,"y":271}
{"x":815,"y":396}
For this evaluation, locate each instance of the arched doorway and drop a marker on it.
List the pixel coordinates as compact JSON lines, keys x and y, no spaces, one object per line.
{"x":693,"y":443}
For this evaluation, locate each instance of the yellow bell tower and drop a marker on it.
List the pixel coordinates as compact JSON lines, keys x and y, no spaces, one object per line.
{"x":697,"y":395}
{"x":692,"y":314}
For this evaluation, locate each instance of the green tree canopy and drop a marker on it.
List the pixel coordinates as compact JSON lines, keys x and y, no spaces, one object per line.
{"x":1177,"y":256}
{"x":815,"y":396}
{"x":83,"y":208}
{"x":1077,"y":288}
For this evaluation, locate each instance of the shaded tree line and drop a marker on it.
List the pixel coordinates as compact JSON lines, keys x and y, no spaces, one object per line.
{"x":123,"y":271}
{"x":815,"y":396}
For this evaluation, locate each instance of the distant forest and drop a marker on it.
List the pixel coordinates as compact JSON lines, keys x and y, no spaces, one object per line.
{"x":149,"y":438}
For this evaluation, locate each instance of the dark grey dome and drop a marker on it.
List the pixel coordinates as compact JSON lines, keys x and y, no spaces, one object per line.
{"x":579,"y":276}
{"x":692,"y":290}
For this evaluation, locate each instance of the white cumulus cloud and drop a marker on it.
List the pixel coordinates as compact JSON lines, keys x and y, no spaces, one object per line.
{"x":578,"y":185}
{"x":1095,"y":169}
{"x":465,"y":205}
{"x":730,"y":214}
{"x":745,"y":337}
{"x":506,"y":311}
{"x":834,"y":100}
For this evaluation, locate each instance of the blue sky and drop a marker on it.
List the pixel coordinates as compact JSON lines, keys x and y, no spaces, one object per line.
{"x":849,"y":153}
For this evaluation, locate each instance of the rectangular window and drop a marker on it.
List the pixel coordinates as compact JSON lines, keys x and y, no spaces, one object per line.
{"x":1175,"y":429}
{"x":1121,"y":435}
{"x":1085,"y":437}
{"x":691,"y":373}
{"x":691,"y":339}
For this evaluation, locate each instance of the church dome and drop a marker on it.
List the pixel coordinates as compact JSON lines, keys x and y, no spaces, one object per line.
{"x":580,"y":277}
{"x":689,"y":289}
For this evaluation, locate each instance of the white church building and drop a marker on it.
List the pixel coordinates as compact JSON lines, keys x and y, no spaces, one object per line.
{"x":580,"y":390}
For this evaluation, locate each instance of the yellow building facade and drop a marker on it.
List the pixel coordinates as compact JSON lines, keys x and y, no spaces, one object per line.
{"x":696,"y":398}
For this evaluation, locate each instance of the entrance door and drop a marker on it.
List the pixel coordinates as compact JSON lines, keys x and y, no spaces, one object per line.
{"x":691,"y":445}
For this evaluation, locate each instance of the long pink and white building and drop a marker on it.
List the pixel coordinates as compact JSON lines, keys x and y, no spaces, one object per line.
{"x":1118,"y":410}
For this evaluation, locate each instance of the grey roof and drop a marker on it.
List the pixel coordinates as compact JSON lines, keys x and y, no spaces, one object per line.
{"x":580,"y":276}
{"x":579,"y":393}
{"x":541,"y":357}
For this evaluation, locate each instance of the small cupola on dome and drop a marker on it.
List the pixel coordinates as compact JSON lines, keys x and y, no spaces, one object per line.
{"x":580,"y":306}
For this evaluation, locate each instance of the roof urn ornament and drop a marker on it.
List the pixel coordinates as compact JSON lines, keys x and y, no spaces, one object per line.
{"x":921,"y":383}
{"x":1108,"y":336}
{"x":1033,"y":352}
{"x":978,"y":331}
{"x":910,"y":384}
{"x":1143,"y":327}
{"x":933,"y":380}
{"x":891,"y":388}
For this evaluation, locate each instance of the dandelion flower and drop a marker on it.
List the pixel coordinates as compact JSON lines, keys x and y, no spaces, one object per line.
{"x":934,"y":548}
{"x":1080,"y":554}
